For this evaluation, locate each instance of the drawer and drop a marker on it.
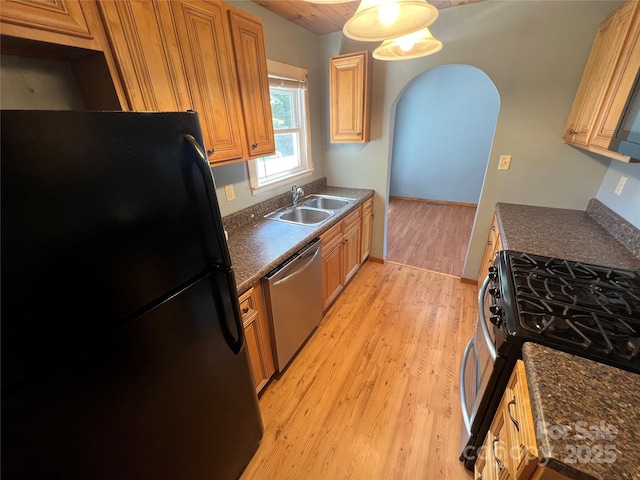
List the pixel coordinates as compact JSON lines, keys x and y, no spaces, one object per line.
{"x":367,"y":207}
{"x":331,"y":238}
{"x":248,"y":308}
{"x":351,"y":221}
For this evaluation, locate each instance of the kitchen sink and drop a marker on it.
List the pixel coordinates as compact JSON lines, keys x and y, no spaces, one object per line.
{"x":301,"y":215}
{"x":305,"y":215}
{"x":312,"y":210}
{"x":326,"y":202}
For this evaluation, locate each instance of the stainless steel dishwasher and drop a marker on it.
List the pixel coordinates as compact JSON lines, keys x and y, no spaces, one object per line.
{"x":293,"y":292}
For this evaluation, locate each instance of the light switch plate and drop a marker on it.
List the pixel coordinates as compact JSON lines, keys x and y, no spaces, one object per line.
{"x":505,"y":162}
{"x":620,"y":186}
{"x":229,"y":193}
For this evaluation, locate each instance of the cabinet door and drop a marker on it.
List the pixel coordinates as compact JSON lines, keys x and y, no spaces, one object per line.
{"x":597,"y":76}
{"x":332,"y":276}
{"x":351,"y":253}
{"x":64,"y":17}
{"x":519,"y":424}
{"x":211,"y":76}
{"x":622,"y":82}
{"x":153,"y":80}
{"x":257,"y":338}
{"x":350,"y":97}
{"x":367,"y":224}
{"x":251,"y":64}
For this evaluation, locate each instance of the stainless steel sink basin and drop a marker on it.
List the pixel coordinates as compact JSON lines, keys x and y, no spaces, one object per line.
{"x":301,"y":215}
{"x":312,"y":210}
{"x":326,"y":202}
{"x":305,"y":215}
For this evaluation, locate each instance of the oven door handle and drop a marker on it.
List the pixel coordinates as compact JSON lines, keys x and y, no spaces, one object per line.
{"x":463,"y":389}
{"x":483,"y":320}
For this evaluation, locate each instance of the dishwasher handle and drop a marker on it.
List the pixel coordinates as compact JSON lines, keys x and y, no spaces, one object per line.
{"x":299,"y":270}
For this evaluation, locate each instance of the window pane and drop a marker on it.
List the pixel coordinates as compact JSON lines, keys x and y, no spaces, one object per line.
{"x":284,"y":160}
{"x":282,"y":108}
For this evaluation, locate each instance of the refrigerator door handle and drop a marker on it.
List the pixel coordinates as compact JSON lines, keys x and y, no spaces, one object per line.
{"x":203,"y":167}
{"x":235,"y":342}
{"x":236,"y":339}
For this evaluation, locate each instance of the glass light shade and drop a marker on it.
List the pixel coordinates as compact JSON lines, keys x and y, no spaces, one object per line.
{"x":417,"y":44}
{"x":377,"y":20}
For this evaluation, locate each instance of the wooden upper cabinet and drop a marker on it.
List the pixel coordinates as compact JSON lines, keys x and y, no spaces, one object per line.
{"x":213,"y":88}
{"x":68,"y":31}
{"x":251,"y":64}
{"x":64,"y":18}
{"x":142,"y":45}
{"x":621,"y":83}
{"x":350,"y":97}
{"x":605,"y":83}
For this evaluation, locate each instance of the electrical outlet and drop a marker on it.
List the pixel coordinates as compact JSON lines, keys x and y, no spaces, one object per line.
{"x":505,"y":162}
{"x":620,"y":186}
{"x":228,"y":191}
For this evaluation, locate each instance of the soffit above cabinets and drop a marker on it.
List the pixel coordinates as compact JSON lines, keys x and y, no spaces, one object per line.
{"x":327,"y":18}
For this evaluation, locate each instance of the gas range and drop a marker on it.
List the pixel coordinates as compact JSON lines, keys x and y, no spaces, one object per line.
{"x":588,"y":310}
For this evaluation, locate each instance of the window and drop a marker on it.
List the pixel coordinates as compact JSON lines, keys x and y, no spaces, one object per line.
{"x":290,"y":112}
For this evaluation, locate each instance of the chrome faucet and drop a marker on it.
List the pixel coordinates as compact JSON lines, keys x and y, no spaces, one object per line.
{"x":296,"y":193}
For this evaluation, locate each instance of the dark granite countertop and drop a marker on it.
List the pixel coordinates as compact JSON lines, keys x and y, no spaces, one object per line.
{"x":586,"y":414}
{"x":261,"y":244}
{"x":562,"y":233}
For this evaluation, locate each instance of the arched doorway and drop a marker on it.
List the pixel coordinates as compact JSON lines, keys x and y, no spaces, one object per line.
{"x":444,"y":124}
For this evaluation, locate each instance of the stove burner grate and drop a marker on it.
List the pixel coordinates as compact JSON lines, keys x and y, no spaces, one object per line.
{"x":588,"y":308}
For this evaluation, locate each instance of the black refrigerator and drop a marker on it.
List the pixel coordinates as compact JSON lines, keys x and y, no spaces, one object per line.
{"x":122,"y":341}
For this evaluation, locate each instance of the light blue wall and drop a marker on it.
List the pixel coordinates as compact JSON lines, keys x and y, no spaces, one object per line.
{"x":441,"y":106}
{"x":535,"y":53}
{"x":627,"y":204}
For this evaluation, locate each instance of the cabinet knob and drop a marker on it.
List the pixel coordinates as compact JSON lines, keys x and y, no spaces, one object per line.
{"x":211,"y":151}
{"x":254,"y":145}
{"x":572,"y":132}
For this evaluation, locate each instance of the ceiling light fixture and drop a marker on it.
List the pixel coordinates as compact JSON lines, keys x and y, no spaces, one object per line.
{"x":414,"y":45}
{"x":377,"y":20}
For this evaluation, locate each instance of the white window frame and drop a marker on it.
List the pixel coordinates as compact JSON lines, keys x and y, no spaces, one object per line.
{"x":287,"y":75}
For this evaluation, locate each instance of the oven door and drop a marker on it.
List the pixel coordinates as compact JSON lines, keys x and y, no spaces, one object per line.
{"x":477,"y":366}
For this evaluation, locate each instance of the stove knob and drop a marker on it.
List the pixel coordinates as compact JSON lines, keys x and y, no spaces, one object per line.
{"x":494,"y":292}
{"x":495,"y":309}
{"x":496,"y":320}
{"x":493,"y":273}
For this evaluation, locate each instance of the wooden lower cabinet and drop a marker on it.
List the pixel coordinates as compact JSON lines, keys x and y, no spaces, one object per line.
{"x":366,"y":229}
{"x":257,"y":338}
{"x":494,"y":245}
{"x":340,"y":256}
{"x":510,"y":448}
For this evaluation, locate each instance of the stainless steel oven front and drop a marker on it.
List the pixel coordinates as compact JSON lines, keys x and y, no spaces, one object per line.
{"x":478,"y":362}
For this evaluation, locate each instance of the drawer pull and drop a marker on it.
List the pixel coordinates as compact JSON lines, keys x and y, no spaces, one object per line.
{"x":515,"y":422}
{"x":493,"y":450}
{"x":245,"y":310}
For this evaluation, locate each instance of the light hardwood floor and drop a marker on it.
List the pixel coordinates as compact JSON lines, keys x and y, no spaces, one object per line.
{"x":373,"y":395}
{"x":429,"y":235}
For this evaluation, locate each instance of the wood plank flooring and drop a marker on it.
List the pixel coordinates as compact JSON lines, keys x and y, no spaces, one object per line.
{"x":374,"y":392}
{"x":429,"y":235}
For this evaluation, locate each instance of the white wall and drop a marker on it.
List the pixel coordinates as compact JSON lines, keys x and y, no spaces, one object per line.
{"x":535,"y":53}
{"x":428,"y":161}
{"x":287,"y":43}
{"x":627,"y":204}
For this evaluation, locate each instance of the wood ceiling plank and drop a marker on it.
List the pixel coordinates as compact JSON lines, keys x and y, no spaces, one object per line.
{"x":327,"y":18}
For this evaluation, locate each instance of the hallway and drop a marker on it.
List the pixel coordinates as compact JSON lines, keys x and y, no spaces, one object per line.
{"x":429,"y":234}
